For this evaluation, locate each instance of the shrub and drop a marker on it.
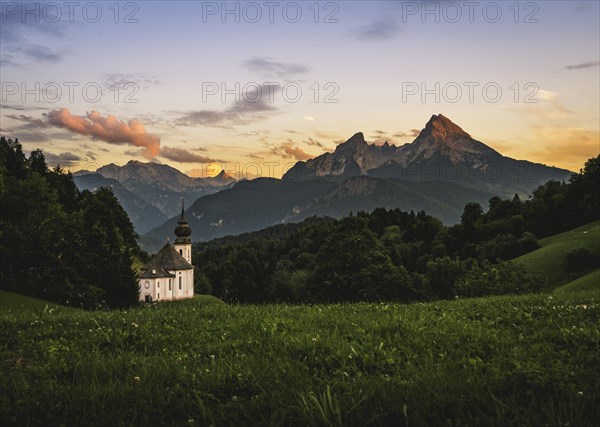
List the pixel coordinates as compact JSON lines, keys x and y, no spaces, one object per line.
{"x":580,"y":259}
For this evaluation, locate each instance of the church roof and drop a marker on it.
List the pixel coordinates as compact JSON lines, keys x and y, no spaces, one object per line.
{"x":166,"y":259}
{"x":151,"y":273}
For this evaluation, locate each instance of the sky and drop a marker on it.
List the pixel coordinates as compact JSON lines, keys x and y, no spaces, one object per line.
{"x":253,"y":87}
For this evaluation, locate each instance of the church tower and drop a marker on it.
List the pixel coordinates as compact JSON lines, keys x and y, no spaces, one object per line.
{"x":183,"y":244}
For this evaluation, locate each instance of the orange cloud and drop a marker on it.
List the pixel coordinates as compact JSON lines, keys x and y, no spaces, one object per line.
{"x":108,"y":129}
{"x":297,"y":153}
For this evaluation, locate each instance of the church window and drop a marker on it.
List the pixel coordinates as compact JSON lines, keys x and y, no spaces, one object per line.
{"x":179,"y":282}
{"x":158,"y":284}
{"x":169,"y":284}
{"x":147,"y":284}
{"x":180,"y":252}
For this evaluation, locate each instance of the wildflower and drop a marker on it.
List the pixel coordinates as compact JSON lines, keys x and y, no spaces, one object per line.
{"x":190,"y":421}
{"x":136,"y":378}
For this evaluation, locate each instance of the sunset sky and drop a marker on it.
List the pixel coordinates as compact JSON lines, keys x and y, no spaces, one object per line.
{"x":520,"y":77}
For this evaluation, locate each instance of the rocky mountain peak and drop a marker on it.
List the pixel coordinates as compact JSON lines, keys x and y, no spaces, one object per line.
{"x":441,"y":127}
{"x":353,"y":144}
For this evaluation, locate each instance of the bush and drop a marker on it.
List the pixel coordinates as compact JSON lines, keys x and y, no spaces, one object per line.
{"x":580,"y":259}
{"x":485,"y":278}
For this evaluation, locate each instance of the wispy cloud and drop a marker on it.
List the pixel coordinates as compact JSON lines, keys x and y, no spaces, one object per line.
{"x":583,"y":65}
{"x":382,"y":29}
{"x":142,"y":80}
{"x":313,"y":142}
{"x":63,"y":159}
{"x":184,"y":156}
{"x":17,"y":33}
{"x":257,"y":105}
{"x":289,"y":150}
{"x":548,"y":108}
{"x":269,"y":67}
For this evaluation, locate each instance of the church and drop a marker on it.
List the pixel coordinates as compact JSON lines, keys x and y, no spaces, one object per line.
{"x":169,"y":275}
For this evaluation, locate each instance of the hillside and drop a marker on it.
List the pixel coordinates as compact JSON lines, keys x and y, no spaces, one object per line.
{"x":247,"y":206}
{"x":16,"y":303}
{"x":444,"y":200}
{"x":550,"y":258}
{"x":507,"y":358}
{"x":589,"y":282}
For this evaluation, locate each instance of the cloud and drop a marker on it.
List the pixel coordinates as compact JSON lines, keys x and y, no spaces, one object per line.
{"x":382,"y":29}
{"x":184,"y":156}
{"x":108,"y":129}
{"x":255,"y":105}
{"x":269,"y":67}
{"x":63,"y":159}
{"x":141,"y":80}
{"x":21,"y":107}
{"x":289,"y":150}
{"x":16,"y":32}
{"x":42,"y":54}
{"x":313,"y":142}
{"x":583,"y":65}
{"x":30,"y":121}
{"x":309,"y":118}
{"x":297,"y":153}
{"x":548,"y":108}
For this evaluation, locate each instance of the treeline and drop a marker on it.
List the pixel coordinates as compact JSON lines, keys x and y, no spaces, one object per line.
{"x":60,"y":244}
{"x":396,"y":255}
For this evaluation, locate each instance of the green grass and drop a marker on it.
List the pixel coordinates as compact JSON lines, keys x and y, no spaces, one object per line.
{"x":550,"y":258}
{"x":10,"y":301}
{"x":590,"y":281}
{"x":511,"y":360}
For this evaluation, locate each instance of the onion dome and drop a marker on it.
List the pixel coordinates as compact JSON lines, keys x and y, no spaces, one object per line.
{"x":183,"y":230}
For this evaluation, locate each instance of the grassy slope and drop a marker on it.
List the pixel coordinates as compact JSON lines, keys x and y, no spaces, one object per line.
{"x":590,"y":281}
{"x":10,"y":301}
{"x":511,"y":360}
{"x":550,"y":258}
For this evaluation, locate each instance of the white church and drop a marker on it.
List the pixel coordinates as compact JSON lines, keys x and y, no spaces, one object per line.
{"x":169,"y":275}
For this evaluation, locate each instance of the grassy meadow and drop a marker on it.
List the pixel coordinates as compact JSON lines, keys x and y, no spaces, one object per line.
{"x":510,"y":360}
{"x":550,"y":257}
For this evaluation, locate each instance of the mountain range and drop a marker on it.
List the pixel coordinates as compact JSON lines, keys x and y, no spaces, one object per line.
{"x":150,"y":192}
{"x":439,"y":172}
{"x":442,"y":152}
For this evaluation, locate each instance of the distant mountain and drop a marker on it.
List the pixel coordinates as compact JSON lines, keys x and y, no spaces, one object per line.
{"x":443,"y":152}
{"x":439,"y":172}
{"x":444,"y":200}
{"x":142,"y":215}
{"x":140,"y":186}
{"x":247,"y":206}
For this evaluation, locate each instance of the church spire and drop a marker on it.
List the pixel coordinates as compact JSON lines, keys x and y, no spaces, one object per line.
{"x":183,"y":230}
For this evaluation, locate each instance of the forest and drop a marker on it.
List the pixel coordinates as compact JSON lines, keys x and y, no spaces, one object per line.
{"x":59,"y":244}
{"x":80,"y":249}
{"x":400,"y":256}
